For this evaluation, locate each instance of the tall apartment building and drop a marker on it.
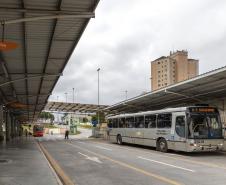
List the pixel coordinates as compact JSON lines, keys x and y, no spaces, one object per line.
{"x":171,"y":69}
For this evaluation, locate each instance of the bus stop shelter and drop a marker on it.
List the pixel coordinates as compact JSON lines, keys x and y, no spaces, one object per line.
{"x":74,"y":107}
{"x":208,"y":88}
{"x":45,"y":34}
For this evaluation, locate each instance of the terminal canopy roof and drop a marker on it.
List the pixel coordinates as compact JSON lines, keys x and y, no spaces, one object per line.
{"x":202,"y":89}
{"x":46,"y":32}
{"x":73,"y":107}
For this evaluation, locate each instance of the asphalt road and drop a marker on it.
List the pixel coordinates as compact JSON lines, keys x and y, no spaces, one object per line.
{"x":97,"y":162}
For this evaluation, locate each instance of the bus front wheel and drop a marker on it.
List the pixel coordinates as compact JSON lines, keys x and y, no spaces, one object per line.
{"x":119,"y":139}
{"x":162,"y":145}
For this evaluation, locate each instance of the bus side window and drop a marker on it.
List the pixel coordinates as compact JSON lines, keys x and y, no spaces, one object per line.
{"x":150,"y":121}
{"x":110,"y":123}
{"x":115,"y":123}
{"x":180,"y":126}
{"x":164,"y":120}
{"x":130,"y":122}
{"x":121,"y":123}
{"x":139,"y":122}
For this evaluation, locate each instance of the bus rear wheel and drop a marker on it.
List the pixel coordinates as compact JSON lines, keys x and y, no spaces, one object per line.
{"x":162,"y":145}
{"x":119,"y":139}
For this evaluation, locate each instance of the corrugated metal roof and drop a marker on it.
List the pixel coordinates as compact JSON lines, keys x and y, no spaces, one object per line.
{"x":205,"y":88}
{"x":73,"y":107}
{"x":45,"y":47}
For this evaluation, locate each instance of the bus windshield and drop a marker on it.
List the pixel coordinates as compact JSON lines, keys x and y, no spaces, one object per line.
{"x":205,"y":126}
{"x":38,"y":128}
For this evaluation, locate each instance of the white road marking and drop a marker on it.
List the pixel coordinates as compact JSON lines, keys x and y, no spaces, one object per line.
{"x":159,"y":162}
{"x":95,"y":159}
{"x":101,"y":147}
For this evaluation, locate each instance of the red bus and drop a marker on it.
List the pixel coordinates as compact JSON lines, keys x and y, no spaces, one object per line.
{"x":38,"y":130}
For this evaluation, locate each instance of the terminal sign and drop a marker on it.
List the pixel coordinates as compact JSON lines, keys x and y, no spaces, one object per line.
{"x":8,"y":45}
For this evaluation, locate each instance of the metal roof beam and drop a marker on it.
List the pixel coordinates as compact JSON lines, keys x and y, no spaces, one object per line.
{"x":48,"y":52}
{"x":29,"y":77}
{"x":41,"y":11}
{"x":48,"y":17}
{"x":25,"y":58}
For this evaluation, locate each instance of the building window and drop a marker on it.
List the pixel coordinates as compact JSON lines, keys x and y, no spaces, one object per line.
{"x":158,"y":62}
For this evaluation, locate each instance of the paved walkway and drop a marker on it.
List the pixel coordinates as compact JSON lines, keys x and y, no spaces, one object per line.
{"x":22,"y":163}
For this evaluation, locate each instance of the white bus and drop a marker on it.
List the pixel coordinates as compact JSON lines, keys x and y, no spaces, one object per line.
{"x":189,"y":129}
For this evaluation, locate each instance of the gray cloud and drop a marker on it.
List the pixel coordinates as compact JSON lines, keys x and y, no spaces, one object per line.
{"x":126,"y":35}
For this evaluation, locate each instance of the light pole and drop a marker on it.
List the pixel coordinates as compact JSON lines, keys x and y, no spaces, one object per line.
{"x":98,"y":100}
{"x":126,"y":93}
{"x":58,"y":118}
{"x":65,"y":97}
{"x":73,"y":95}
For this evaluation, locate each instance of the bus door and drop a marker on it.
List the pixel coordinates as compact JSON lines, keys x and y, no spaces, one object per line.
{"x":178,"y":131}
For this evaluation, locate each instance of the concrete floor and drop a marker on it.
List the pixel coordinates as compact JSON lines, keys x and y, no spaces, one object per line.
{"x":22,"y":163}
{"x":97,"y":162}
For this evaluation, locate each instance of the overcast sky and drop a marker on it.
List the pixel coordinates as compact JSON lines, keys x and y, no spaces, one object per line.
{"x":127,"y":34}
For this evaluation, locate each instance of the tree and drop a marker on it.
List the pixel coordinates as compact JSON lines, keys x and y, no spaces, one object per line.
{"x":85,"y":120}
{"x":46,"y":116}
{"x":101,"y":117}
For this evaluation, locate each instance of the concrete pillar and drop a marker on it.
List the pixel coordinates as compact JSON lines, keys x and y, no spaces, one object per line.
{"x":1,"y":124}
{"x":8,"y":126}
{"x":13,"y":126}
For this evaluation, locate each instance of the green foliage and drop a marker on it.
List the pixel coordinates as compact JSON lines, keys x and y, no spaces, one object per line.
{"x":78,"y":132}
{"x":101,"y":116}
{"x":46,"y":116}
{"x":86,"y":126}
{"x":50,"y":126}
{"x":85,"y":120}
{"x":64,"y":116}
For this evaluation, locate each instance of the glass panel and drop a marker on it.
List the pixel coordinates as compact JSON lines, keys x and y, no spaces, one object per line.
{"x":115,"y":123}
{"x":139,"y":122}
{"x":164,"y":120}
{"x":130,"y":122}
{"x":205,"y":126}
{"x":180,"y":126}
{"x":122,"y":123}
{"x":38,"y":128}
{"x":150,"y":121}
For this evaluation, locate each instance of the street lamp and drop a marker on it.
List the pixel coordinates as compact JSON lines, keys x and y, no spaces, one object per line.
{"x":65,"y":97}
{"x":73,"y":95}
{"x":98,"y":101}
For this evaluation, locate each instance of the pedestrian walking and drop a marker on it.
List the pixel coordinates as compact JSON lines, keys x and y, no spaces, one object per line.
{"x":66,"y":134}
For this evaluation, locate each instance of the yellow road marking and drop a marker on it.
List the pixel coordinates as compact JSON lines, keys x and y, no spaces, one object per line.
{"x":158,"y":153}
{"x":161,"y":178}
{"x":60,"y":172}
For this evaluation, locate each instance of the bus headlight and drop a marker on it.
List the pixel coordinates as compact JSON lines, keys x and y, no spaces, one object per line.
{"x":193,"y":144}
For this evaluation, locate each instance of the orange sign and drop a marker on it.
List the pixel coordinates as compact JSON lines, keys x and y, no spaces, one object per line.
{"x":8,"y":45}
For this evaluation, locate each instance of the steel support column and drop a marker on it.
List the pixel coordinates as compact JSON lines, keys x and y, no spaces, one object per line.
{"x":12,"y":120}
{"x":8,"y":126}
{"x":1,"y":124}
